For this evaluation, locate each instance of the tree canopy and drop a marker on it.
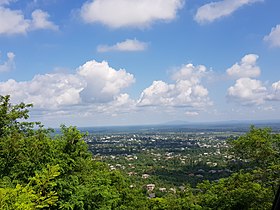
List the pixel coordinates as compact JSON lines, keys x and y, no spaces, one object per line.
{"x":40,"y":170}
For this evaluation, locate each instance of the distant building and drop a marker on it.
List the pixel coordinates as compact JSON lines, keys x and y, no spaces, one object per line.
{"x":145,"y":176}
{"x":172,"y":190}
{"x":182,"y":188}
{"x":212,"y":171}
{"x":131,"y":173}
{"x":162,"y":189}
{"x":112,"y":168}
{"x":150,"y":187}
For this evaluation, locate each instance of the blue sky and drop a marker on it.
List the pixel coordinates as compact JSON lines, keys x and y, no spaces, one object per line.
{"x":124,"y":62}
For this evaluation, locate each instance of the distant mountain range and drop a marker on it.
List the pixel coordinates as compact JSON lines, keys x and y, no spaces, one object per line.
{"x":185,"y":126}
{"x":229,"y":122}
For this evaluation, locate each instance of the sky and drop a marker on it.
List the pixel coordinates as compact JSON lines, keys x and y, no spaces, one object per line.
{"x":136,"y":62}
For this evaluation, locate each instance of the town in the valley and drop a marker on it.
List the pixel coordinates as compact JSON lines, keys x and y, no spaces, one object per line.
{"x":161,"y":162}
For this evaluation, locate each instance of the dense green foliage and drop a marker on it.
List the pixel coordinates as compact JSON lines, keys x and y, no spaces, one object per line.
{"x":41,"y":171}
{"x":38,"y":171}
{"x":260,"y":150}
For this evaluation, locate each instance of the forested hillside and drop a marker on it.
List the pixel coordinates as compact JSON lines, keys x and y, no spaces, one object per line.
{"x":40,"y":170}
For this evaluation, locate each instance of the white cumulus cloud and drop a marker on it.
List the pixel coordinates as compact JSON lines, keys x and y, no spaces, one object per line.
{"x":93,"y":83}
{"x":275,"y":92}
{"x":103,"y":82}
{"x":216,"y":10}
{"x":121,"y":104}
{"x":40,"y":21}
{"x":247,"y":91}
{"x":45,"y":91}
{"x":274,"y":37}
{"x":187,"y":91}
{"x":129,"y":13}
{"x":127,"y":45}
{"x":14,"y":22}
{"x":247,"y":67}
{"x":191,"y":73}
{"x":9,"y":64}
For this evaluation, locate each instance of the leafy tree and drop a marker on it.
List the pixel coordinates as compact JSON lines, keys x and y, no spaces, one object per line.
{"x":259,"y":145}
{"x":10,"y":116}
{"x":39,"y":171}
{"x":239,"y":191}
{"x":43,"y":184}
{"x":17,"y":198}
{"x":255,"y":185}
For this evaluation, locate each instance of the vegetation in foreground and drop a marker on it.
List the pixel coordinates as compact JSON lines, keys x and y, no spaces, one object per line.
{"x":42,"y":171}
